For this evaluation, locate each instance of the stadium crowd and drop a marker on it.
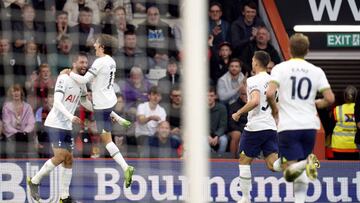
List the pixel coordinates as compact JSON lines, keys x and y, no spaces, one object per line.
{"x":38,"y":39}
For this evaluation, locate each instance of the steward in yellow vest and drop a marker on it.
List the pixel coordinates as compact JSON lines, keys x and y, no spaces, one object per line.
{"x":342,"y":139}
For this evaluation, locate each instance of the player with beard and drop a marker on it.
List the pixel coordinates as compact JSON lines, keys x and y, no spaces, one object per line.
{"x":59,"y":125}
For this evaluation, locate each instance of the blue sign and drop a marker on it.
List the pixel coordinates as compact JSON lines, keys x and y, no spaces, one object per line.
{"x":101,"y":180}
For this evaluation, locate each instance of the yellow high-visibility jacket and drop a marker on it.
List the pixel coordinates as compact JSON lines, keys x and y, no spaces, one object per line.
{"x":343,"y":136}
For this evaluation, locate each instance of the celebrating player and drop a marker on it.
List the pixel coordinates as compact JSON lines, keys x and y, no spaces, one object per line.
{"x":260,"y":130}
{"x":298,"y":82}
{"x":101,"y":74}
{"x":59,"y":125}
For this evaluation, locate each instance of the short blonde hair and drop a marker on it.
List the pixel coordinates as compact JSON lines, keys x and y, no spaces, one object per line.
{"x":299,"y":45}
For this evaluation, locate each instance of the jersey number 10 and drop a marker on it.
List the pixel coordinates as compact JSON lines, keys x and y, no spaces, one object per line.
{"x":297,"y":87}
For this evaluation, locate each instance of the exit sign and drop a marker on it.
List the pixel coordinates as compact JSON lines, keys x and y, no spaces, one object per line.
{"x":343,"y":39}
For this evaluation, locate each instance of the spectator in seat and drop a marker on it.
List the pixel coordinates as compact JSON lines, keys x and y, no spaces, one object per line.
{"x":218,"y":140}
{"x":229,"y":84}
{"x":148,"y":116}
{"x":118,"y":26}
{"x":129,"y":56}
{"x":163,"y":144}
{"x":135,"y":89}
{"x":219,"y":63}
{"x":61,"y":59}
{"x":155,"y":36}
{"x":27,"y":62}
{"x":218,"y":27}
{"x":261,"y":43}
{"x":39,"y":85}
{"x":107,"y":7}
{"x":173,"y":112}
{"x":28,"y":30}
{"x":85,"y":32}
{"x":19,"y":122}
{"x":55,"y":31}
{"x":243,"y":30}
{"x":236,"y":128}
{"x":343,"y":136}
{"x":74,"y":7}
{"x":8,"y":63}
{"x":170,"y":80}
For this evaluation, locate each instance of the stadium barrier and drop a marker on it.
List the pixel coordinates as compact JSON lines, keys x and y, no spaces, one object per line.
{"x":101,"y":180}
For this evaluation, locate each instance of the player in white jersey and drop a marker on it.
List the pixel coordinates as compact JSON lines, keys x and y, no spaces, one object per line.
{"x":59,"y":124}
{"x":260,"y":131}
{"x":102,"y":74}
{"x":298,"y":82}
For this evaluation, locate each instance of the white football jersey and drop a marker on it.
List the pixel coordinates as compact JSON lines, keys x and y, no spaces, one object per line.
{"x":260,"y":117}
{"x":72,"y":92}
{"x":103,"y":92}
{"x":298,"y":83}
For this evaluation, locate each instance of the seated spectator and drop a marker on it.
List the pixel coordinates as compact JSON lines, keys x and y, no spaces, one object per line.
{"x":219,"y":62}
{"x":107,"y":7}
{"x":173,"y":111}
{"x":229,"y":84}
{"x":243,"y":30}
{"x":62,"y":57}
{"x":73,"y":8}
{"x":27,"y":62}
{"x":39,"y":85}
{"x":156,"y":37}
{"x":44,"y":9}
{"x":230,"y":9}
{"x":118,"y":26}
{"x":342,"y":139}
{"x":10,"y":10}
{"x":19,"y":123}
{"x":8,"y":63}
{"x":55,"y":31}
{"x":135,"y":89}
{"x":218,"y":28}
{"x":261,"y":43}
{"x":163,"y":144}
{"x":218,"y":140}
{"x":236,"y":128}
{"x":44,"y":148}
{"x":84,"y":32}
{"x":166,"y":8}
{"x":149,"y":115}
{"x":28,"y":30}
{"x":129,"y":56}
{"x":172,"y":79}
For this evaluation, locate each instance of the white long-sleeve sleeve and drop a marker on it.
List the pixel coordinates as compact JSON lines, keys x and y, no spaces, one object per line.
{"x":82,"y":79}
{"x":58,"y":96}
